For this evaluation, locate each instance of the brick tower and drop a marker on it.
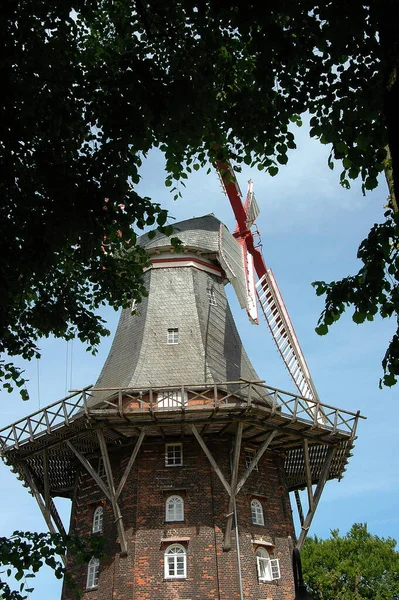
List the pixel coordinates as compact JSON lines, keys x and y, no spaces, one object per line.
{"x":180,"y":456}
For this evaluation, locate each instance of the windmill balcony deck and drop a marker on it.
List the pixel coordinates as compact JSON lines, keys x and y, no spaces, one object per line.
{"x":171,"y":412}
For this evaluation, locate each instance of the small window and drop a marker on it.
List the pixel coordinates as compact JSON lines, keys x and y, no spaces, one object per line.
{"x":212,"y":297}
{"x":175,"y":562}
{"x":173,"y":455}
{"x":101,"y":468}
{"x":92,"y":573}
{"x":249,"y":456}
{"x":257,"y":513}
{"x":174,"y":509}
{"x":173,"y":336}
{"x":268,"y":568}
{"x":98,"y":519}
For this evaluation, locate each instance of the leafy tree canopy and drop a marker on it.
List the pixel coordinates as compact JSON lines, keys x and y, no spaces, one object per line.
{"x":356,"y":566}
{"x":22,"y":555}
{"x":91,"y":87}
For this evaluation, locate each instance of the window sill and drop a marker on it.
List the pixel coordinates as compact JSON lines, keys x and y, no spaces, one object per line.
{"x":174,"y":521}
{"x":91,"y":589}
{"x":175,"y":578}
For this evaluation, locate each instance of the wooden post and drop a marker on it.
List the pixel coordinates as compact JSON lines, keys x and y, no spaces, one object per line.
{"x":110,"y":479}
{"x":316,"y":497}
{"x":233,"y":488}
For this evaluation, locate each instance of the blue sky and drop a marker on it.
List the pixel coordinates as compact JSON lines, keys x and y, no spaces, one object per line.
{"x":310,"y":229}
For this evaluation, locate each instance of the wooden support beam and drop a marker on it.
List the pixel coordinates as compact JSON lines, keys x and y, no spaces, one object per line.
{"x":56,"y":517}
{"x":308,"y":474}
{"x":316,"y":496}
{"x":130,"y":464}
{"x":233,"y":488}
{"x":46,"y":513}
{"x":299,"y":506}
{"x":211,"y":459}
{"x":256,"y":459}
{"x":111,"y":487}
{"x":90,"y":469}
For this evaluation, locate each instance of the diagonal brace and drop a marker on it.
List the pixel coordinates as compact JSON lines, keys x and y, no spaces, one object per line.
{"x":256,"y":459}
{"x":130,"y":464}
{"x":233,"y":488}
{"x":211,"y":459}
{"x":111,"y":488}
{"x":44,"y":509}
{"x":316,"y":496}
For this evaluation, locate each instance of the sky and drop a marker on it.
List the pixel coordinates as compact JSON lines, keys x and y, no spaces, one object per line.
{"x":310,"y":230}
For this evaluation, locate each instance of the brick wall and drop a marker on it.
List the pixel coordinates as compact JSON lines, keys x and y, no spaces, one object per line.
{"x":212,"y":574}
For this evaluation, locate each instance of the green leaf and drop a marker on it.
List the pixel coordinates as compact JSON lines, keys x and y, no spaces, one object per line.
{"x":321,"y":329}
{"x":272,"y":171}
{"x":358,"y":317}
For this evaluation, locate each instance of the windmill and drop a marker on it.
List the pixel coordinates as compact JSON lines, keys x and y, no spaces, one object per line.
{"x":180,"y":455}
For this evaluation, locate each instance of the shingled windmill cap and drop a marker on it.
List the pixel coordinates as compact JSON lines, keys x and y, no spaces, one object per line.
{"x":183,"y":331}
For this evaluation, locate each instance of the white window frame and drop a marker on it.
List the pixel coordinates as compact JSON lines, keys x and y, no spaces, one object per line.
{"x":176,"y":459}
{"x":268,"y":568}
{"x":98,"y":518}
{"x":171,"y":399}
{"x":249,"y":454}
{"x":173,"y":335}
{"x":257,"y":512}
{"x":172,"y":562}
{"x":174,"y":509}
{"x":93,"y":571}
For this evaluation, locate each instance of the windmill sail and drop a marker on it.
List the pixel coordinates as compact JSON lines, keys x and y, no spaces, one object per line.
{"x":268,"y":293}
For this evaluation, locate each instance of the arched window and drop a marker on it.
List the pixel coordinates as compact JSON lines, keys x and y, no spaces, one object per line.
{"x":268,"y":568}
{"x":98,"y":519}
{"x":175,"y":562}
{"x":92,"y":573}
{"x":174,"y":509}
{"x":257,"y":513}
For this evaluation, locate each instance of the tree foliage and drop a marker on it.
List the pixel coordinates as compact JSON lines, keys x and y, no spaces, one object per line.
{"x":24,"y":553}
{"x":91,"y":87}
{"x":356,"y":566}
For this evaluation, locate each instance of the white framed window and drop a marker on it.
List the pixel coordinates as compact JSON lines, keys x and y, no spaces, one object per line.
{"x":92,"y":573}
{"x":173,"y":336}
{"x":212,"y":297}
{"x":98,"y":517}
{"x":268,"y":568}
{"x":175,"y":562}
{"x":173,"y":455}
{"x":249,"y":456}
{"x":171,"y":399}
{"x":257,"y":513}
{"x":174,"y":509}
{"x":101,"y":468}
